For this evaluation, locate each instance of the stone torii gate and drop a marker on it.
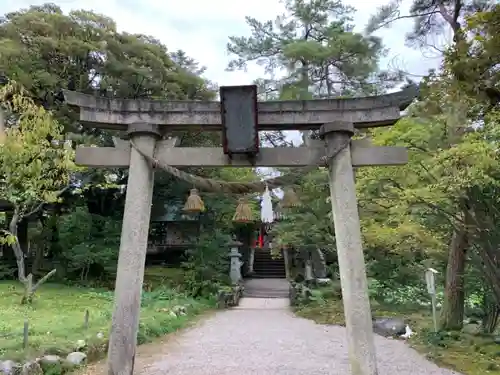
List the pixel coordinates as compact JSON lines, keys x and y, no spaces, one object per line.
{"x":148,"y":122}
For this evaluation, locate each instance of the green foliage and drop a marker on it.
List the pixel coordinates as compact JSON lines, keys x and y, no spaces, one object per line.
{"x":36,"y":165}
{"x":158,"y":276}
{"x":46,"y":50}
{"x":7,"y":270}
{"x":314,"y":43}
{"x":208,"y":264}
{"x":35,"y":161}
{"x":310,"y":223}
{"x":90,"y":244}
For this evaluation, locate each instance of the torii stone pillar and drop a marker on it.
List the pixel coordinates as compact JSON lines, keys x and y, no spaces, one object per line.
{"x":349,"y":249}
{"x":132,"y":256}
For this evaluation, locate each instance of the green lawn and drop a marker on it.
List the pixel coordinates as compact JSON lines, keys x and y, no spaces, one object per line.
{"x":466,"y":353}
{"x":56,"y":318}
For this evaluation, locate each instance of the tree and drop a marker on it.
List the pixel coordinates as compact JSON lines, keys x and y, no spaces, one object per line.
{"x":310,"y":223}
{"x":433,"y":193}
{"x":470,"y":90}
{"x":46,"y":51}
{"x":34,"y":170}
{"x":314,"y":46}
{"x":432,"y":19}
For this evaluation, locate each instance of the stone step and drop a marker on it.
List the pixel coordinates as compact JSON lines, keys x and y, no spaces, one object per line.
{"x":266,"y":287}
{"x":271,"y":261}
{"x":269,"y":276}
{"x":264,"y":303}
{"x":266,"y":292}
{"x":263,"y":257}
{"x":259,"y":254}
{"x":265,"y":296}
{"x":262,"y":294}
{"x":267,"y":255}
{"x":261,"y":261}
{"x":269,"y":272}
{"x":268,"y":267}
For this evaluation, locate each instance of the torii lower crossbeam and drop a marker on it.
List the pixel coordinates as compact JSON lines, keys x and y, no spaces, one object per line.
{"x":361,"y":155}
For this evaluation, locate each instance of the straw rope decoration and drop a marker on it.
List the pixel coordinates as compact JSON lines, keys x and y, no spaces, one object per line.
{"x":216,"y":186}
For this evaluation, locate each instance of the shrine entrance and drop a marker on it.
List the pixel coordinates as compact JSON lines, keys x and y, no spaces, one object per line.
{"x":240,"y":117}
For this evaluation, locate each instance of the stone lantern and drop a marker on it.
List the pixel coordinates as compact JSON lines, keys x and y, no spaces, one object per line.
{"x":235,"y":257}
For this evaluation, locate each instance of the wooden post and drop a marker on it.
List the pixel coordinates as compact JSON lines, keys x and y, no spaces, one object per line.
{"x":308,"y":270}
{"x":26,"y":330}
{"x":349,"y":249}
{"x":286,"y":260}
{"x":251,"y":259}
{"x":132,"y":255}
{"x":431,"y":289}
{"x":86,"y":318}
{"x":2,"y":126}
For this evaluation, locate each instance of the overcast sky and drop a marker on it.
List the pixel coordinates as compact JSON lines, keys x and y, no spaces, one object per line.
{"x":201,"y":28}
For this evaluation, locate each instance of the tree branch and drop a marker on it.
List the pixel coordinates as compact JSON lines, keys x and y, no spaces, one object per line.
{"x":42,"y":280}
{"x":40,"y":206}
{"x":387,"y":23}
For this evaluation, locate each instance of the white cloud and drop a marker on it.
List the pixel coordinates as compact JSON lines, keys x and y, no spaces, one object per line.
{"x":201,"y":28}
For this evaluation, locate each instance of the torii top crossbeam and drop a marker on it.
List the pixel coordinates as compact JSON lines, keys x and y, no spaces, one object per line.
{"x":364,"y":112}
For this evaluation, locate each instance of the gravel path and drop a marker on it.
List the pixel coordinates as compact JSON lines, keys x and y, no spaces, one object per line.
{"x":262,"y":337}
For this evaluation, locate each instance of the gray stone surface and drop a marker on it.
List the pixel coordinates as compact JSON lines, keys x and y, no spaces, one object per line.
{"x":389,"y":326}
{"x":8,"y":367}
{"x":265,"y":338}
{"x":50,"y":359}
{"x":365,"y":112}
{"x":319,"y":264}
{"x":132,"y":253}
{"x":268,"y":157}
{"x":32,"y":368}
{"x":235,"y":264}
{"x":349,"y":247}
{"x":266,"y":288}
{"x":76,"y":358}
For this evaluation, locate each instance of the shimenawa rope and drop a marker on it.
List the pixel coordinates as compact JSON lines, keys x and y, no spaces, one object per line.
{"x":213,"y":185}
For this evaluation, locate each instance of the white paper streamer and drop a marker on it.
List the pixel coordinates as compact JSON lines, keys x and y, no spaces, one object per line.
{"x":266,"y":207}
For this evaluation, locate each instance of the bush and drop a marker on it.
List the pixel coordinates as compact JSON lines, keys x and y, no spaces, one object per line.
{"x":207,"y":268}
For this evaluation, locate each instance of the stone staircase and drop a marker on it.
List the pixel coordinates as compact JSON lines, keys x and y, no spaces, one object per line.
{"x":265,"y":267}
{"x":266,"y":288}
